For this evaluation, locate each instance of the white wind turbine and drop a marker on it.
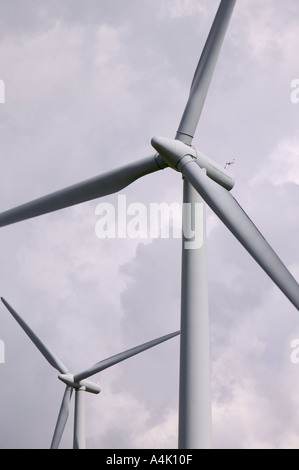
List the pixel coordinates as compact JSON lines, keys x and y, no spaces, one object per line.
{"x":204,"y":182}
{"x":78,"y":381}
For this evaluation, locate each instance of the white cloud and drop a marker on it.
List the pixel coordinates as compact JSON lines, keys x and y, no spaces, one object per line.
{"x":282,"y":165}
{"x":180,"y":9}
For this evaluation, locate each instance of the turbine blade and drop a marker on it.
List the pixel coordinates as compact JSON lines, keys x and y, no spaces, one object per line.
{"x":92,"y":188}
{"x":111,"y":361}
{"x":51,"y":358}
{"x":204,"y":72}
{"x":62,"y":417}
{"x":237,"y":221}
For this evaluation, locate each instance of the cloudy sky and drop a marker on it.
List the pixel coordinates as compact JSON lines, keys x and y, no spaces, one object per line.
{"x":87,"y":85}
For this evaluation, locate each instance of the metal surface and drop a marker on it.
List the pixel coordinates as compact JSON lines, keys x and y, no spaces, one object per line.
{"x":62,"y":417}
{"x":195,"y":420}
{"x":88,"y":190}
{"x":232,"y":215}
{"x":79,"y":419}
{"x":204,"y":72}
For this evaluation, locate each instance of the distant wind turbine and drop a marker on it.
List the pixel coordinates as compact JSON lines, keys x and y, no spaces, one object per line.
{"x":78,"y":381}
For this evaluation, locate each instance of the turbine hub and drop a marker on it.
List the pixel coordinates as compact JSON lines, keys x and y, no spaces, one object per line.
{"x":177,"y":155}
{"x":89,"y":386}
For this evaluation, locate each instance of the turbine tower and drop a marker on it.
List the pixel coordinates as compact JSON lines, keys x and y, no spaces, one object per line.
{"x":205,"y":183}
{"x":78,"y":381}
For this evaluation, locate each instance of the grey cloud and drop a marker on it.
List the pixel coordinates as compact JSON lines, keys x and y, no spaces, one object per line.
{"x":88,"y":84}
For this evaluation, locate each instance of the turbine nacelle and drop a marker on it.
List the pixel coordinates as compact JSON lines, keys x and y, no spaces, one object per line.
{"x":88,"y":385}
{"x":177,"y":155}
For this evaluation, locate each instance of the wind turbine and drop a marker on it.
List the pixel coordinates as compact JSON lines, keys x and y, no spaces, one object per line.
{"x":205,"y":182}
{"x":78,"y":381}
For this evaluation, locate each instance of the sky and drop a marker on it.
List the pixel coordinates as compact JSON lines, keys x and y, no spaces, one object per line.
{"x":87,"y":85}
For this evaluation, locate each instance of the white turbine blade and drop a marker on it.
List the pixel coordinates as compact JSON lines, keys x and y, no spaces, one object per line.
{"x":62,"y":417}
{"x":110,"y":361}
{"x":51,"y":358}
{"x":204,"y":72}
{"x":183,"y":158}
{"x":92,"y":188}
{"x":237,"y":221}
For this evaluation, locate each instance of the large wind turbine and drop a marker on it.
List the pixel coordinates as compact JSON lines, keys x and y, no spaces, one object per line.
{"x":204,"y":182}
{"x":78,"y":381}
